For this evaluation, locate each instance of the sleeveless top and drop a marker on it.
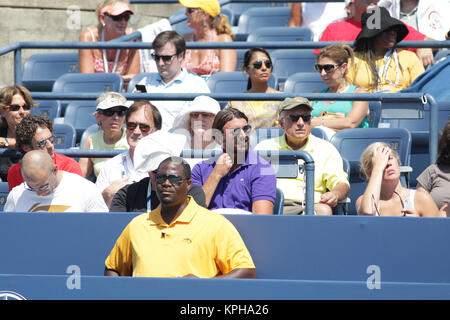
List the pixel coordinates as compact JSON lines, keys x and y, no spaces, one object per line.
{"x":337,"y":107}
{"x":113,"y":66}
{"x":408,"y":203}
{"x":208,"y":66}
{"x":98,"y":143}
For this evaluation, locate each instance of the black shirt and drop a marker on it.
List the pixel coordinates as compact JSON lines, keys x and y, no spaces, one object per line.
{"x":133,"y":197}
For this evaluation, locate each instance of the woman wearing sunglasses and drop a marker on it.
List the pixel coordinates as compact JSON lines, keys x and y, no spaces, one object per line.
{"x":110,"y":116}
{"x":258,"y":66}
{"x":113,"y":19}
{"x":15,"y":104}
{"x":332,"y":64}
{"x":203,"y":16}
{"x":378,"y":65}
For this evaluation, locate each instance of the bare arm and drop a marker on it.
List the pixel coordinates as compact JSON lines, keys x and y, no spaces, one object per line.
{"x":86,"y":164}
{"x":296,"y":15}
{"x":86,"y":56}
{"x":426,"y":54}
{"x":111,"y":273}
{"x":223,"y":166}
{"x":262,"y":207}
{"x":109,"y":192}
{"x":227,"y":57}
{"x":425,"y":205}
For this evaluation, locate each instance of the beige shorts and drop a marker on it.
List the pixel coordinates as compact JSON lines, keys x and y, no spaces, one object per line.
{"x":293,"y":207}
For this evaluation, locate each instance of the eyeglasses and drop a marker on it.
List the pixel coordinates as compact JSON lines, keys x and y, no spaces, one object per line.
{"x":190,"y":10}
{"x":44,"y":187}
{"x":16,"y":107}
{"x":123,"y":16}
{"x":110,"y":112}
{"x":143,"y":127}
{"x":305,"y":117}
{"x":165,"y":59}
{"x":327,"y":67}
{"x":41,"y":144}
{"x":237,"y":131}
{"x":174,"y":180}
{"x":258,"y":64}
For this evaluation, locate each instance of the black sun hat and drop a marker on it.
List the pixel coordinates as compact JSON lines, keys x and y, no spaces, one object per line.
{"x":386,"y":22}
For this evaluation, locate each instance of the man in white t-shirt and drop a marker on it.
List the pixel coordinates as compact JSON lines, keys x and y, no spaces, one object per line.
{"x":47,"y":189}
{"x":170,"y":49}
{"x":141,"y":119}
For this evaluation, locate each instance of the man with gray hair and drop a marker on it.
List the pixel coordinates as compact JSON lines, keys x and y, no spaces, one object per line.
{"x":47,"y":189}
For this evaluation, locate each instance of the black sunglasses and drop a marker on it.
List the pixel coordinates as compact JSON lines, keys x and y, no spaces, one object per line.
{"x":110,"y":112}
{"x":305,"y":117}
{"x":174,"y":180}
{"x":41,"y":144}
{"x":143,"y":127}
{"x":190,"y":10}
{"x":123,"y":16}
{"x":326,"y":67}
{"x":237,"y":131}
{"x":165,"y":59}
{"x":16,"y":107}
{"x":258,"y":64}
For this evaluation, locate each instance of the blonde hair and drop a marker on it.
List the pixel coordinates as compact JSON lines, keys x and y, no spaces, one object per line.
{"x":365,"y":161}
{"x":339,"y":53}
{"x":222,"y":25}
{"x":105,"y":3}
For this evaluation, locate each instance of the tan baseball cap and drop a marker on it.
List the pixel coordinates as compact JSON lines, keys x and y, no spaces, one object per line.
{"x":291,"y":103}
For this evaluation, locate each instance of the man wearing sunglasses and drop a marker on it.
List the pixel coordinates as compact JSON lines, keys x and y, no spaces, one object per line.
{"x":47,"y":189}
{"x":169,"y":52}
{"x":149,"y":153}
{"x":238,"y":178}
{"x":36,"y":133}
{"x":179,"y":238}
{"x":331,"y":183}
{"x":141,"y":119}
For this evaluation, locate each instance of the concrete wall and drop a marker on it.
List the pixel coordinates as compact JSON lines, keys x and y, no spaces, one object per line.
{"x":45,"y":20}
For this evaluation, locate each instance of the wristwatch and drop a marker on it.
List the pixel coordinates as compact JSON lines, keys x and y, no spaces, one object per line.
{"x":6,"y":142}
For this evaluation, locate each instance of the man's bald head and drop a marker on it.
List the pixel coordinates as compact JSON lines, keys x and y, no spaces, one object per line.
{"x":36,"y":164}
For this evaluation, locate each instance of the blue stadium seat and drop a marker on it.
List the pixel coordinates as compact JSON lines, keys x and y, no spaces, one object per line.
{"x":41,"y":70}
{"x":240,"y":53}
{"x":281,"y":34}
{"x":136,"y":79}
{"x":259,"y":17}
{"x":87,"y":132}
{"x":79,"y":114}
{"x":352,"y":142}
{"x":279,"y":202}
{"x":50,"y":109}
{"x":287,"y":62}
{"x":302,"y":82}
{"x":420,"y":133}
{"x":375,"y":113}
{"x":65,"y":135}
{"x":442,"y":54}
{"x":4,"y":191}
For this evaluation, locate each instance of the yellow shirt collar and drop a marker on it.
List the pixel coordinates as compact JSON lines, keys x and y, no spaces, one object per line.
{"x":186,"y":216}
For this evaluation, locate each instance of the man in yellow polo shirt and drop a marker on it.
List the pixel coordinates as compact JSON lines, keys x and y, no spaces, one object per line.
{"x":179,"y":238}
{"x":330,"y":180}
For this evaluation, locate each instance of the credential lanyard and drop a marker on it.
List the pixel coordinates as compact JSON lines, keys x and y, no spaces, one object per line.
{"x":105,"y":60}
{"x":384,"y":69}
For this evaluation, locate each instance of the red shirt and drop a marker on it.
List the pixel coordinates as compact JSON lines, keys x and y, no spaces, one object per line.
{"x":63,"y":163}
{"x":348,"y":30}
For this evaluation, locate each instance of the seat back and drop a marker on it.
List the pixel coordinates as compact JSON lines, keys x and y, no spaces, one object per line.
{"x":65,"y":135}
{"x":441,"y":55}
{"x":281,"y":34}
{"x":352,"y":142}
{"x":41,"y":70}
{"x":279,"y":202}
{"x":50,"y":109}
{"x":302,"y":82}
{"x":239,"y":8}
{"x":287,"y":62}
{"x":259,"y":17}
{"x":375,"y":114}
{"x":87,"y":132}
{"x":80,"y":115}
{"x":135,"y":80}
{"x":4,"y":191}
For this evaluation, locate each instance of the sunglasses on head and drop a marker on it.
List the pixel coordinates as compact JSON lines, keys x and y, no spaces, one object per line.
{"x":143,"y":127}
{"x":123,"y":16}
{"x":165,"y":59}
{"x":305,"y":117}
{"x":237,"y":131}
{"x":258,"y":64}
{"x":16,"y":107}
{"x":110,"y":112}
{"x":174,"y":180}
{"x":326,"y":67}
{"x":41,"y":144}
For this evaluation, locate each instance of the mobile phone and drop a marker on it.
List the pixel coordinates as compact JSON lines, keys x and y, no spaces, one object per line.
{"x":141,"y":88}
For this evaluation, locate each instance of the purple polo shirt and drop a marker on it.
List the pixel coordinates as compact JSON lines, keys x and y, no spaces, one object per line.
{"x":251,"y":181}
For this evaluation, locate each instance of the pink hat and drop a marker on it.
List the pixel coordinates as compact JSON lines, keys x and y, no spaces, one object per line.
{"x":117,"y":8}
